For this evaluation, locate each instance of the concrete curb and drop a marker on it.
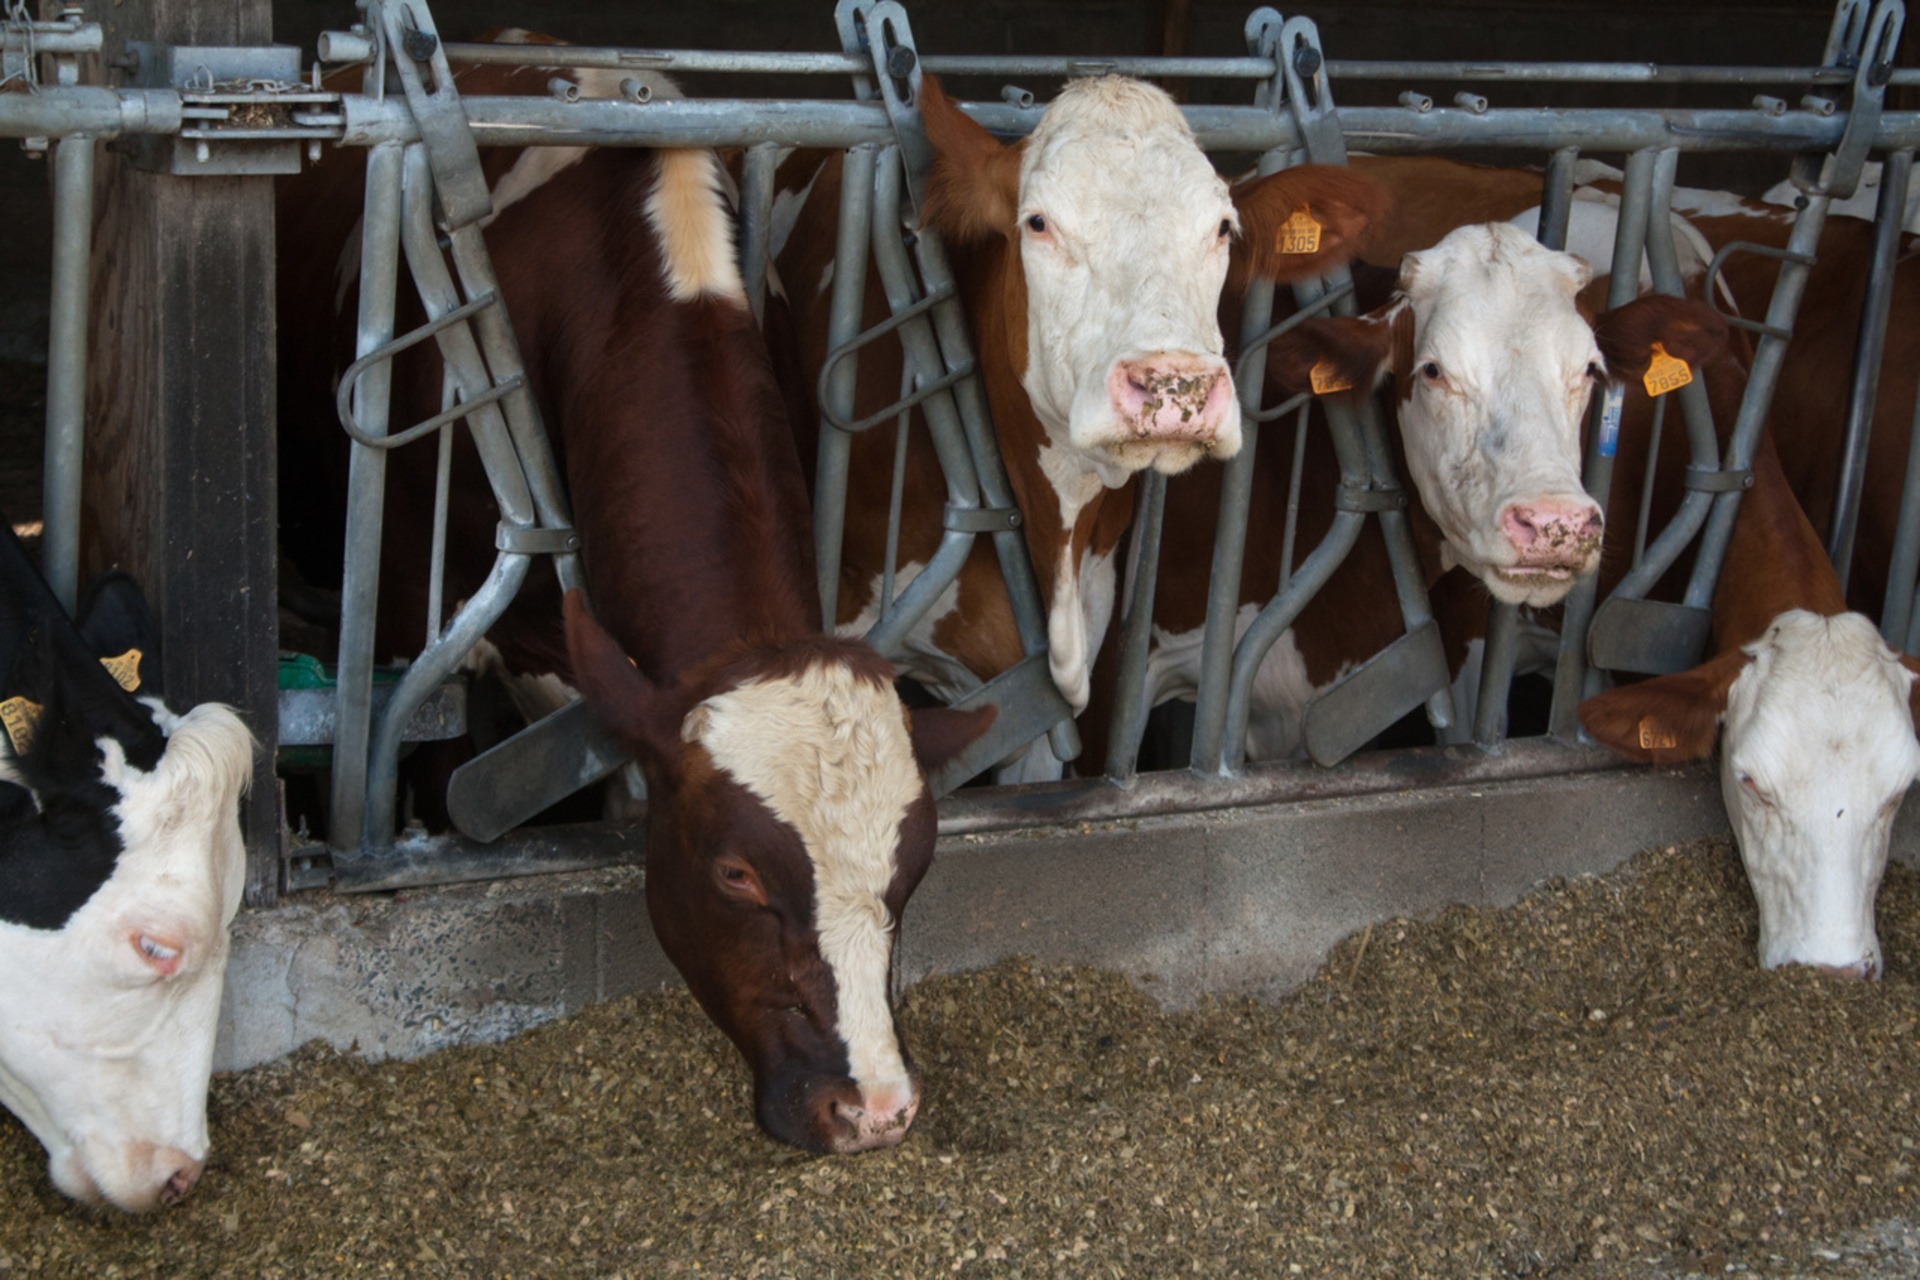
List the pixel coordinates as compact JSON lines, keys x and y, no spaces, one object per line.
{"x":1226,"y":901}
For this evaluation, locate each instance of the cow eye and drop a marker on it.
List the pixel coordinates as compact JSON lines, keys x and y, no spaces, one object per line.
{"x":1752,"y":788}
{"x":1037,"y":223}
{"x":1596,"y":371}
{"x":1430,"y":371}
{"x":163,"y":957}
{"x":738,"y":880}
{"x":1226,"y":227}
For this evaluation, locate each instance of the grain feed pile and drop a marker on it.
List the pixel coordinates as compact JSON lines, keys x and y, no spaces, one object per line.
{"x":1595,"y":1083}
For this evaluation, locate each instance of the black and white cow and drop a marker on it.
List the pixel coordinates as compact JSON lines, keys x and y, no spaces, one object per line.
{"x":121,"y":867}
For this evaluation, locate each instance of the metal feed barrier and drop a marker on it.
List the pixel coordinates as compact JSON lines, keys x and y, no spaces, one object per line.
{"x":249,"y":110}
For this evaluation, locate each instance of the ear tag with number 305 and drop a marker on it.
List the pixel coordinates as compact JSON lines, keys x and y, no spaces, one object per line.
{"x":1300,"y":233}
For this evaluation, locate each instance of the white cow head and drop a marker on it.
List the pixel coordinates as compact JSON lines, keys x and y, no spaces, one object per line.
{"x":1494,"y":364}
{"x":121,"y":866}
{"x":1818,"y":750}
{"x":111,"y":1019}
{"x":1123,"y":232}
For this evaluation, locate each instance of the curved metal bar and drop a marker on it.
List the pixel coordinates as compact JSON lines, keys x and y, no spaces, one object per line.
{"x":423,"y":676}
{"x":1710,"y":288}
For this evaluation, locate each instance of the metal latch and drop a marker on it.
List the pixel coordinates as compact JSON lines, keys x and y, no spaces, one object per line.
{"x":242,"y":109}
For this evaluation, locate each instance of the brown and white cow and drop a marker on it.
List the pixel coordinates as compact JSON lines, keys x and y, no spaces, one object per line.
{"x":1492,"y":361}
{"x":788,"y":816}
{"x":1090,"y":257}
{"x":1818,"y":746}
{"x":1815,"y":719}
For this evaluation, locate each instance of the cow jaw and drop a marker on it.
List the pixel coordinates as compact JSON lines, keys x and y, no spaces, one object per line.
{"x":1491,"y":405}
{"x":1123,"y":259}
{"x":827,"y":751}
{"x":110,"y":1047}
{"x":1818,"y":751}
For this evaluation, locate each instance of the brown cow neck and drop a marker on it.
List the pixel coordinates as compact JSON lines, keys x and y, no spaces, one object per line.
{"x":991,"y":271}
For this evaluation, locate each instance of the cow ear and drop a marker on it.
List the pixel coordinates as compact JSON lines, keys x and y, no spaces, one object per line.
{"x":1339,"y":352}
{"x":117,"y":625}
{"x":1669,"y":718}
{"x":644,"y":716}
{"x":941,"y":733}
{"x":1685,"y":328}
{"x":1303,"y":222}
{"x":973,"y":188}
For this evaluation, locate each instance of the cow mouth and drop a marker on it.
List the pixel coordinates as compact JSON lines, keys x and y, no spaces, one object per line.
{"x":1538,"y":586}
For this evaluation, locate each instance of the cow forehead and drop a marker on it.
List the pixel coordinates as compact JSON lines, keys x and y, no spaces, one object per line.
{"x":1114,"y":143}
{"x":1823,"y":697}
{"x":1495,"y":294}
{"x":828,"y":751}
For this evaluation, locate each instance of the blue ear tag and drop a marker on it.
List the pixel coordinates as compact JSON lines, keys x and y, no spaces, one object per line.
{"x":1610,"y":419}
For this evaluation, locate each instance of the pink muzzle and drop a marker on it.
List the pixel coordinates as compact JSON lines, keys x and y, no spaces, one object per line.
{"x":1553,"y":533}
{"x":1171,"y":395}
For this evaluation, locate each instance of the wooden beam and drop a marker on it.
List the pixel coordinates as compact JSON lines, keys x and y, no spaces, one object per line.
{"x":181,"y":449}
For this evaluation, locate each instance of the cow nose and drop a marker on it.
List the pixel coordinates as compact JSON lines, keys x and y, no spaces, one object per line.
{"x":1170,"y":395}
{"x":1553,"y":531}
{"x":186,"y":1173}
{"x":1867,"y":969}
{"x":874,"y":1117}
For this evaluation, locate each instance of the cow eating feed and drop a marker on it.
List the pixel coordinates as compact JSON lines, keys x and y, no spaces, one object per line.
{"x":121,"y":866}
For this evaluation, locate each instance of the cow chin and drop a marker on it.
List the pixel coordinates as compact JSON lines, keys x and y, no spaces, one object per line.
{"x":1534,"y":587}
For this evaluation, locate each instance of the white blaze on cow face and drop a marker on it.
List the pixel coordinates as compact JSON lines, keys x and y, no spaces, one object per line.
{"x":1124,"y":239}
{"x":830,"y":754}
{"x":1817,"y":752}
{"x":110,"y":1019}
{"x":1502,"y":367}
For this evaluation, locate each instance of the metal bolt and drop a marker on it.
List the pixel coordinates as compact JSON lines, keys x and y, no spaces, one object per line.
{"x":419,"y":45}
{"x":1306,"y":61}
{"x":1879,"y":73}
{"x":900,"y":61}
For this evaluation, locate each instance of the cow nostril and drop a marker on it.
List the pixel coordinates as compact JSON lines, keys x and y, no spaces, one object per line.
{"x":181,"y":1182}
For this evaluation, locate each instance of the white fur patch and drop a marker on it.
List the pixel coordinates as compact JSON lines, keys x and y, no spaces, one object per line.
{"x":831,"y":756}
{"x":1281,"y":689}
{"x":1817,"y":752}
{"x":1494,"y":313}
{"x":694,"y":227}
{"x":1131,"y":265}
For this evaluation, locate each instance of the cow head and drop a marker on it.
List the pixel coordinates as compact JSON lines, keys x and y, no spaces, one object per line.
{"x":1818,"y":751}
{"x":1123,"y":232}
{"x":788,"y":821}
{"x":121,"y":866}
{"x":1494,"y":364}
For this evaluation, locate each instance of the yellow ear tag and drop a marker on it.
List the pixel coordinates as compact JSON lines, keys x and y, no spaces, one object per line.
{"x":21,"y":716}
{"x":1652,"y":736}
{"x":1665,"y":373}
{"x":1326,"y":379}
{"x":125,"y":669}
{"x":1300,"y":233}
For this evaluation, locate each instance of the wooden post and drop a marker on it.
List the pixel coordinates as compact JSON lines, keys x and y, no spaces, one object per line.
{"x":1176,"y":25}
{"x":180,"y":445}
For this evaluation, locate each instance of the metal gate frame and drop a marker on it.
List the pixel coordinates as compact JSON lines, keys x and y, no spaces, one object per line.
{"x":419,"y":138}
